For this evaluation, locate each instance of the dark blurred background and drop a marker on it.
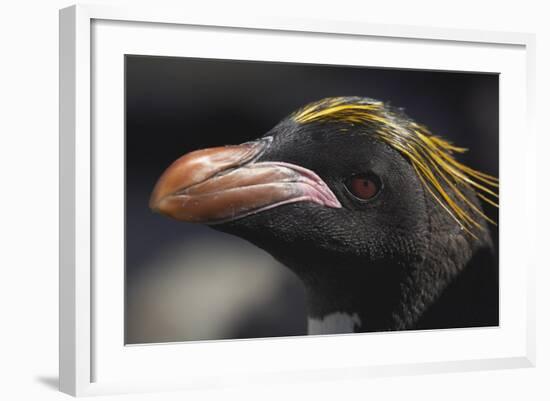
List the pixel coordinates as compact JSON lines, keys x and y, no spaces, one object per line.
{"x":188,"y":282}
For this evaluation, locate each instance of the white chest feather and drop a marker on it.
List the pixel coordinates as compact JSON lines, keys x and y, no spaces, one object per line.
{"x":334,"y":323}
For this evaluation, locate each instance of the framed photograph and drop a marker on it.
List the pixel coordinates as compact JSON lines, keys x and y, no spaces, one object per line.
{"x":257,"y":200}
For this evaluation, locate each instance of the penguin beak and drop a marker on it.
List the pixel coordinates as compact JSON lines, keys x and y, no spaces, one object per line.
{"x":226,"y":183}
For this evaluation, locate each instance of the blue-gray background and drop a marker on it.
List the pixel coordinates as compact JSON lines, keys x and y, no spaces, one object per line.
{"x":188,"y":282}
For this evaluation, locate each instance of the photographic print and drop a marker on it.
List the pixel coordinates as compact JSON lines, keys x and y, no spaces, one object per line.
{"x":269,"y":199}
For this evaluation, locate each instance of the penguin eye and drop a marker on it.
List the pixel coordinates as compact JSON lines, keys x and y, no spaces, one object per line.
{"x":364,"y":186}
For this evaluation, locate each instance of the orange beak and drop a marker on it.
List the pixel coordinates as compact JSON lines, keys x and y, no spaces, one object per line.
{"x":226,"y":183}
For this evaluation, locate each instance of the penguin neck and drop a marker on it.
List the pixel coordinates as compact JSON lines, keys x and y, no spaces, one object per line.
{"x":349,"y":300}
{"x":347,"y":293}
{"x":384,"y":297}
{"x":353,"y":295}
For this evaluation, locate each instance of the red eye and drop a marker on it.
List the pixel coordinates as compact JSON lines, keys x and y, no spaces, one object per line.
{"x":364,"y":187}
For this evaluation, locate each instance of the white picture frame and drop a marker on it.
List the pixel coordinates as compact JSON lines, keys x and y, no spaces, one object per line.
{"x":92,"y":358}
